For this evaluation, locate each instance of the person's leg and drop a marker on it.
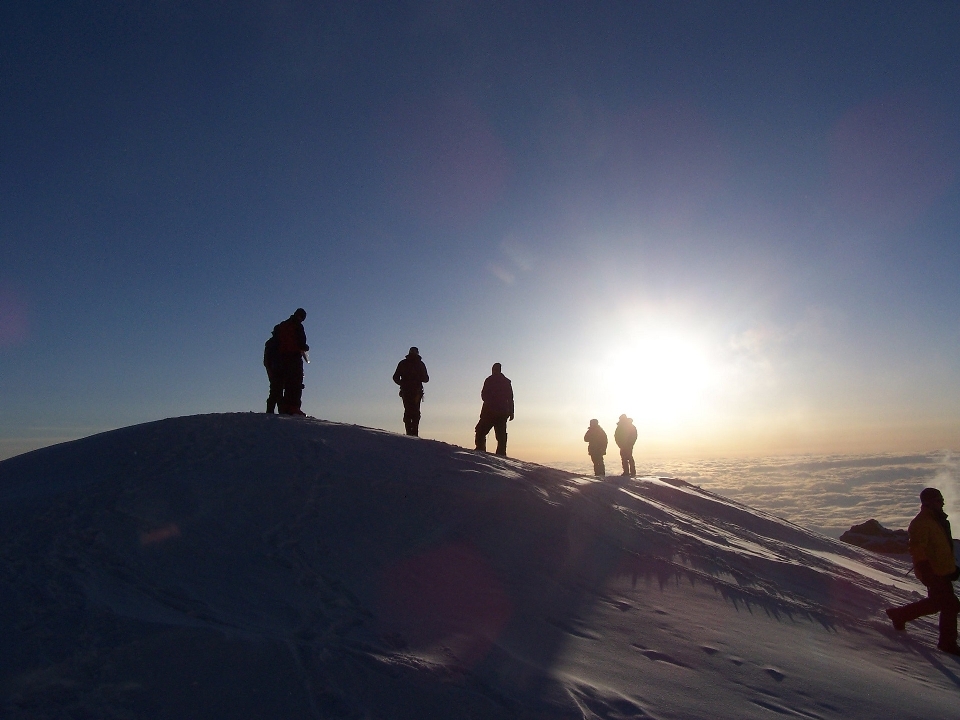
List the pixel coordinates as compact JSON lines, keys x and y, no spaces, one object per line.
{"x":482,"y":429}
{"x":284,"y":371}
{"x":625,"y":460}
{"x":292,"y":385}
{"x":411,"y":414}
{"x":942,"y":592}
{"x":296,"y":394}
{"x":598,"y":468}
{"x":415,"y":417}
{"x":271,"y":403}
{"x":948,"y":625}
{"x":633,"y":467}
{"x":415,"y":420}
{"x":928,"y":606}
{"x":500,"y":430}
{"x":276,"y":390}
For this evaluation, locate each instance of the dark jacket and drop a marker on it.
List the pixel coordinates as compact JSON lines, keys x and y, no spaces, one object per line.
{"x":271,"y":349}
{"x":411,"y":374}
{"x":596,"y":439}
{"x":291,"y":336}
{"x":497,"y":396}
{"x":626,"y":434}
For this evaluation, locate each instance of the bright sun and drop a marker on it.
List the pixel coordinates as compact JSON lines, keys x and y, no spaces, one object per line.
{"x":659,"y":375}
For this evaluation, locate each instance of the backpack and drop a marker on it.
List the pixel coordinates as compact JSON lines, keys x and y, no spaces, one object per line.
{"x":271,"y":348}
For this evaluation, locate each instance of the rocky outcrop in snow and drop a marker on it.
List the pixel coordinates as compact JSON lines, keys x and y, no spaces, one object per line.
{"x":873,"y":536}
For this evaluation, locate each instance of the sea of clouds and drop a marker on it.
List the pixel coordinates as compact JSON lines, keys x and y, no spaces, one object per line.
{"x":825,"y":493}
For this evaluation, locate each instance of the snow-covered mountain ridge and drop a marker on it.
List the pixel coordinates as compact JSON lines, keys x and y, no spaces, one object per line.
{"x":255,"y":566}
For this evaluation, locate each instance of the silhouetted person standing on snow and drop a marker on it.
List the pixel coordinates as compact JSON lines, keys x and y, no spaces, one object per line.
{"x":497,"y":396}
{"x":411,"y":374}
{"x":596,"y":440}
{"x":292,"y":339}
{"x":271,"y":361}
{"x":931,"y":546}
{"x":626,"y":437}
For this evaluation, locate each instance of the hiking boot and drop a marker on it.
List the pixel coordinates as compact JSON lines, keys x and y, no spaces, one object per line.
{"x":950,"y":649}
{"x":898,"y":624}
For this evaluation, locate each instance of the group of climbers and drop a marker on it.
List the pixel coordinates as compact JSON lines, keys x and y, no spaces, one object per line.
{"x":931,"y":541}
{"x":497,"y":397}
{"x":286,"y":350}
{"x":625,"y":436}
{"x":283,"y":356}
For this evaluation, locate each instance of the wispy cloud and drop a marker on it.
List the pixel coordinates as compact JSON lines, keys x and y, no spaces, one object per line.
{"x":516,"y":259}
{"x":502,"y":274}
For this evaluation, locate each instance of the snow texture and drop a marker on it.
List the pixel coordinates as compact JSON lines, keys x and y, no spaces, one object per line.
{"x":257,"y":566}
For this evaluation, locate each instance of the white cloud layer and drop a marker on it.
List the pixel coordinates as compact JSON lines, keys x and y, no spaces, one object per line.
{"x":826,"y":493}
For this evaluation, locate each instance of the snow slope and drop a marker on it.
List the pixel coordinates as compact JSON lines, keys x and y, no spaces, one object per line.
{"x":255,"y":566}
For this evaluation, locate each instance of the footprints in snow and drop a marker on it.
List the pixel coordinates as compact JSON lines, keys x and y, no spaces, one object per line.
{"x":658,"y":656}
{"x":775,"y":674}
{"x":621,"y":605}
{"x":573,"y":628}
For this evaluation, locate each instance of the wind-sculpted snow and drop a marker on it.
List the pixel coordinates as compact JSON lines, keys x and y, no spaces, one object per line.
{"x":255,"y":566}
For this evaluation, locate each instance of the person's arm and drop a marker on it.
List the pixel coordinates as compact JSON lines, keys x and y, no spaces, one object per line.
{"x":924,"y":572}
{"x":397,"y":375}
{"x":424,"y":376}
{"x":919,"y":551}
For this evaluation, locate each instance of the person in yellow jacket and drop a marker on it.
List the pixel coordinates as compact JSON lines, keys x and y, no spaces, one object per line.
{"x":931,"y":547}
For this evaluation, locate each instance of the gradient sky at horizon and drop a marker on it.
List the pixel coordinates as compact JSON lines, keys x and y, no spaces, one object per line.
{"x":735,"y":222}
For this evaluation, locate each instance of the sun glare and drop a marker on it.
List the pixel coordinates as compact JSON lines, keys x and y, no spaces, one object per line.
{"x":659,"y":376}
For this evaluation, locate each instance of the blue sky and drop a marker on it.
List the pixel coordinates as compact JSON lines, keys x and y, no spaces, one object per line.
{"x":736,"y":222}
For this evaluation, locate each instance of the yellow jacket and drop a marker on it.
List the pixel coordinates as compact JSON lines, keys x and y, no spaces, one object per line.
{"x":929,"y":542}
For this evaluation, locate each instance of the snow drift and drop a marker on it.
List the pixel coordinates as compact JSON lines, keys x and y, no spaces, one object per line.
{"x":255,"y":566}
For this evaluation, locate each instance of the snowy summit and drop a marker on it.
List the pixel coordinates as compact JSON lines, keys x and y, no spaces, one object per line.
{"x":258,"y":566}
